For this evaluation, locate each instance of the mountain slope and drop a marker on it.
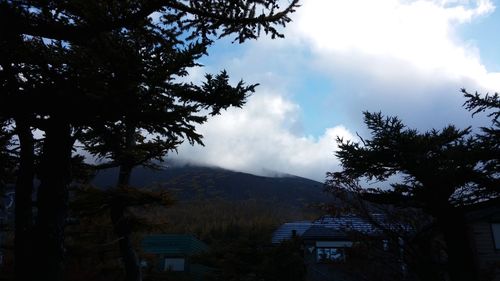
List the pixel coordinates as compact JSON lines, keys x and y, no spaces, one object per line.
{"x":205,"y":183}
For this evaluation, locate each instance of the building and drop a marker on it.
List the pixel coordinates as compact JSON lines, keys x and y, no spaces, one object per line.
{"x":171,"y":254}
{"x":330,"y":245}
{"x":483,"y":221}
{"x":290,"y":229}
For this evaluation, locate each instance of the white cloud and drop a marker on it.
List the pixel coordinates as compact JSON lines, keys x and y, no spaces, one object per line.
{"x":419,"y":36}
{"x":403,"y":57}
{"x":259,"y":139}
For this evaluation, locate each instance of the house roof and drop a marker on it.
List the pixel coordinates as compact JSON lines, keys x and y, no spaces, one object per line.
{"x":489,"y":210}
{"x":349,"y":223}
{"x":173,"y":244}
{"x":285,"y":231}
{"x":320,"y":232}
{"x":331,"y":227}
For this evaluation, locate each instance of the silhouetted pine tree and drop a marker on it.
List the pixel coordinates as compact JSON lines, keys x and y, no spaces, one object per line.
{"x":439,"y":171}
{"x":63,"y":72}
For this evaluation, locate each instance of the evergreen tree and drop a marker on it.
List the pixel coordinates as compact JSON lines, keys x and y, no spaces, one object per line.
{"x":159,"y":107}
{"x":439,"y":171}
{"x":63,"y":72}
{"x":488,"y":139}
{"x":8,"y":155}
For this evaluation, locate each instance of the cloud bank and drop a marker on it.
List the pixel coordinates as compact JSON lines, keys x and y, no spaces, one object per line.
{"x":404,"y":58}
{"x":259,"y":139}
{"x":401,"y":57}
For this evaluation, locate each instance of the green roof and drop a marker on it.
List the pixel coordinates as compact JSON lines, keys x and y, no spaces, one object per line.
{"x":173,"y":244}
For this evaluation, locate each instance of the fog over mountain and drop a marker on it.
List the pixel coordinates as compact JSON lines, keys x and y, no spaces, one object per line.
{"x":190,"y":182}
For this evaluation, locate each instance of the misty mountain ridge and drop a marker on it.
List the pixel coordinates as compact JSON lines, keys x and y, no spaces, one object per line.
{"x":189,"y":182}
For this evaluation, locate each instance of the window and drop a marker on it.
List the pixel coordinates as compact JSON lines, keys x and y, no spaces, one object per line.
{"x":495,"y":229}
{"x":174,"y":264}
{"x":330,"y":254}
{"x":385,"y":245}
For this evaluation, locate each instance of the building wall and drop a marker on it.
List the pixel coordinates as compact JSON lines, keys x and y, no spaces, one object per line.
{"x":322,"y":271}
{"x":368,"y":260}
{"x":487,"y":257}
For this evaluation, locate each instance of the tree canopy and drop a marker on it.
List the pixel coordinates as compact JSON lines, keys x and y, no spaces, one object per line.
{"x":105,"y":74}
{"x":438,"y":171}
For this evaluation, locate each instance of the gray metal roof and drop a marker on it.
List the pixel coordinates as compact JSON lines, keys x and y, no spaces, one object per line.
{"x":331,"y":227}
{"x":320,"y":232}
{"x":285,"y":231}
{"x":349,"y":223}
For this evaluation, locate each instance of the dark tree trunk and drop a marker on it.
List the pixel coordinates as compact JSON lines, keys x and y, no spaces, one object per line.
{"x":52,"y":200}
{"x":420,"y":260}
{"x":123,"y":230}
{"x":460,"y":261}
{"x":23,"y":204}
{"x":121,"y":224}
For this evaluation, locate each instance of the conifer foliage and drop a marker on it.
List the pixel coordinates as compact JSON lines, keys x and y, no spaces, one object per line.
{"x":106,"y":74}
{"x":438,"y":171}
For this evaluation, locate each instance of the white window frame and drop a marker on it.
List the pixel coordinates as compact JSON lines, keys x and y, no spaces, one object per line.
{"x":328,"y":251}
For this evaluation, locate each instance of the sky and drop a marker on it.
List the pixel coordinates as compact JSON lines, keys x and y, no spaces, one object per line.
{"x":404,"y":58}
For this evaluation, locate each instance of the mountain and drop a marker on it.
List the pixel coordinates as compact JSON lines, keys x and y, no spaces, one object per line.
{"x":206,"y":183}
